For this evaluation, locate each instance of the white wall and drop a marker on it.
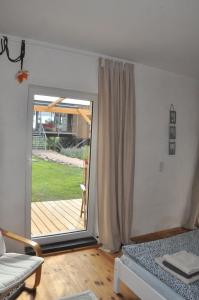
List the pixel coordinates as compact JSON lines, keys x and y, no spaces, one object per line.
{"x":160,"y":198}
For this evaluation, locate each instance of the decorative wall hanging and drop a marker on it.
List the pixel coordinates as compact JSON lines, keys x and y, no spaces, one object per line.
{"x":172,"y":131}
{"x":172,"y":148}
{"x":22,"y":74}
{"x":172,"y":115}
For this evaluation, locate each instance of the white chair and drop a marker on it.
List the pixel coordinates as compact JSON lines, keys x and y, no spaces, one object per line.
{"x":15,"y":268}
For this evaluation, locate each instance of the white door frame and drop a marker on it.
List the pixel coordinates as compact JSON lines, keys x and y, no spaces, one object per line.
{"x":91,"y":222}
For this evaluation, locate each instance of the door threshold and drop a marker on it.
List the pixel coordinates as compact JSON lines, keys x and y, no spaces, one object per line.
{"x":64,"y":246}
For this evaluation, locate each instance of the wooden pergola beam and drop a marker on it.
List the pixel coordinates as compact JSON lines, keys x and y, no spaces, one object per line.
{"x":84,"y":115}
{"x":63,"y":110}
{"x":56,"y":102}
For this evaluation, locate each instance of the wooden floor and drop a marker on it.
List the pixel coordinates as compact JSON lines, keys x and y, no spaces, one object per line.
{"x":76,"y":271}
{"x":56,"y":216}
{"x":73,"y":272}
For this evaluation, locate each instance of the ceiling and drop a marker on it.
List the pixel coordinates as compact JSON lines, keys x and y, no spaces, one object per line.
{"x":160,"y":33}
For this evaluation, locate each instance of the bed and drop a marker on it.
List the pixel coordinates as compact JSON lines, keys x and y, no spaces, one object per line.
{"x":139,"y":271}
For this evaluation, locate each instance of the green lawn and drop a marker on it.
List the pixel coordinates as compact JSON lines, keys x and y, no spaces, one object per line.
{"x":53,"y":181}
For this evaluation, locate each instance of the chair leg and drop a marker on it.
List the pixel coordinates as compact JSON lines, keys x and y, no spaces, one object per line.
{"x":83,"y":206}
{"x":33,"y":289}
{"x":37,"y":277}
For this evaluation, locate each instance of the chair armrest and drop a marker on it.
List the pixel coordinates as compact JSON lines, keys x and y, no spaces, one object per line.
{"x":23,"y":240}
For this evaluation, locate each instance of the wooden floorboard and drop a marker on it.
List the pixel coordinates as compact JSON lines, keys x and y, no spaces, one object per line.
{"x":56,"y":216}
{"x":75,"y":212}
{"x":53,"y":219}
{"x":34,"y":227}
{"x":64,"y":217}
{"x":71,"y":215}
{"x":74,"y":272}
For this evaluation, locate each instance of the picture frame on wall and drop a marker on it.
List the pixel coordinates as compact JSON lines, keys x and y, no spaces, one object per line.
{"x":172,"y":132}
{"x":172,"y":148}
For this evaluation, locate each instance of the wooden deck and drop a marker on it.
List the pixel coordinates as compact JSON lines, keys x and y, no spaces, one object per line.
{"x":50,"y":217}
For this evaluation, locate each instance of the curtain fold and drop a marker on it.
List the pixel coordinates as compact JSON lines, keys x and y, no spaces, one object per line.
{"x":116,"y":152}
{"x":193,"y":220}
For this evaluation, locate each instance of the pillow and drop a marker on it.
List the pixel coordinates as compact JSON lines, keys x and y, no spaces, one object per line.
{"x":2,"y":245}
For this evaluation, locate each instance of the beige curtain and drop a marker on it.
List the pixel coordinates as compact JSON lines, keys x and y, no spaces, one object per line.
{"x":116,"y":151}
{"x":194,"y":215}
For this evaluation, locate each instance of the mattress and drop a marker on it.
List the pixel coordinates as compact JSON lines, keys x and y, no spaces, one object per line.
{"x":149,"y":278}
{"x":141,"y":259}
